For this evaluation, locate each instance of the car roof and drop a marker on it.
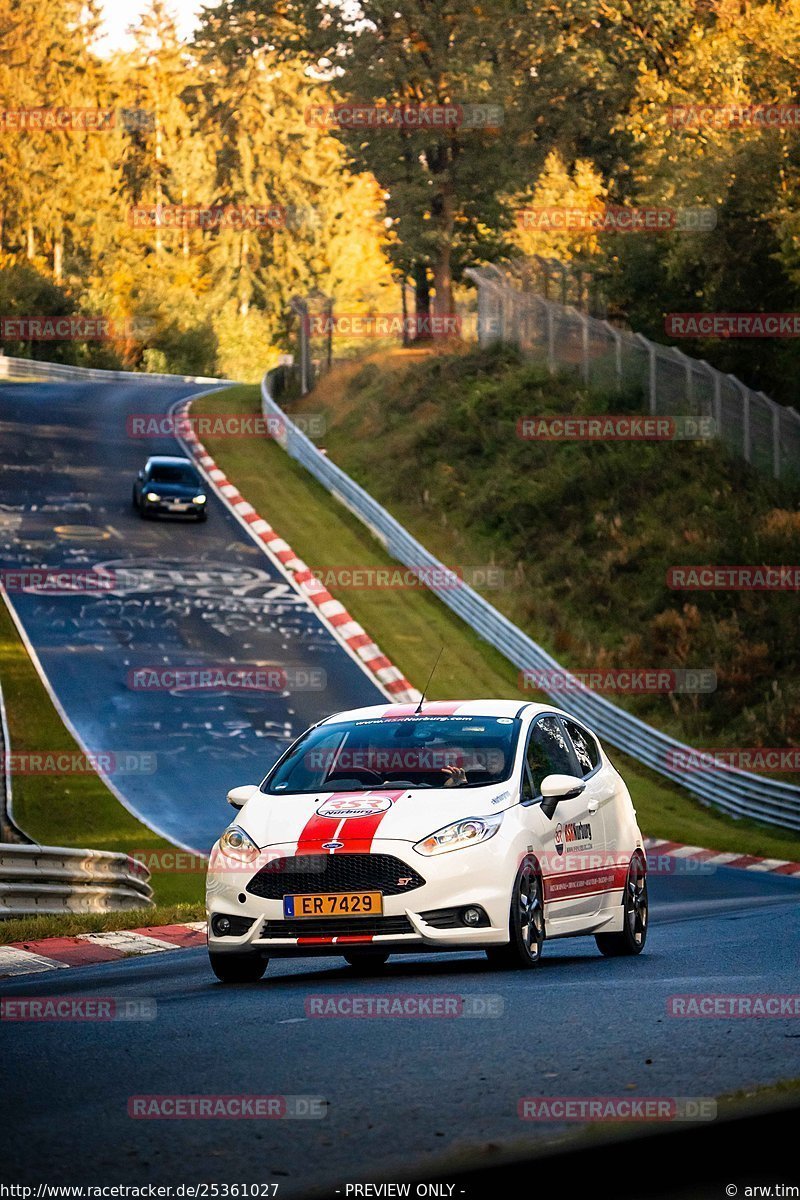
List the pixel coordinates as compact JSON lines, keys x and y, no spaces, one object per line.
{"x":169,"y":460}
{"x":442,"y":708}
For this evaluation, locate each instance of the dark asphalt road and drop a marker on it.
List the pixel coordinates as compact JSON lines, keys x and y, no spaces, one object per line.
{"x":193,"y":595}
{"x":405,"y":1094}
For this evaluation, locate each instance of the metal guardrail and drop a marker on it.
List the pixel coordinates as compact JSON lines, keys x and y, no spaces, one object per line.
{"x":54,"y":879}
{"x":750,"y":424}
{"x":31,"y":368}
{"x":736,"y":792}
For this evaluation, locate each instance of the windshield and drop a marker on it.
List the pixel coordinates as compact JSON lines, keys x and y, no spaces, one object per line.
{"x":162,"y":474}
{"x":390,"y":752}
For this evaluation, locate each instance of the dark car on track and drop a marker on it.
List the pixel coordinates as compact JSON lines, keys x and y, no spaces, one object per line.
{"x":170,"y":485}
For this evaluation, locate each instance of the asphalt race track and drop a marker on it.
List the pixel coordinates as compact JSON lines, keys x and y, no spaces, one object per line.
{"x":186,"y":595}
{"x":405,"y":1095}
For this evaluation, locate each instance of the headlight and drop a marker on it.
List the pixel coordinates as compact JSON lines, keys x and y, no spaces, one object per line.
{"x":466,"y":832}
{"x":199,"y":499}
{"x":153,"y":496}
{"x":235,"y":843}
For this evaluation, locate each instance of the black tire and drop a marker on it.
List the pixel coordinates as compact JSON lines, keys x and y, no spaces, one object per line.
{"x":526,"y":928}
{"x":635,"y":915}
{"x":366,"y":962}
{"x":238,"y":968}
{"x":134,"y":500}
{"x":203,"y":516}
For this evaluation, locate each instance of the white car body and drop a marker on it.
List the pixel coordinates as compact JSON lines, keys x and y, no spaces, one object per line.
{"x":582,"y":852}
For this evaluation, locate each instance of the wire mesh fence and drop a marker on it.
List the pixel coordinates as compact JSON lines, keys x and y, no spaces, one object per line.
{"x":516,"y":305}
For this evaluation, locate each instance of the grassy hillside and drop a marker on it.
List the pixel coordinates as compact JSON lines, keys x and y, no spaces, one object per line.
{"x":584,"y":531}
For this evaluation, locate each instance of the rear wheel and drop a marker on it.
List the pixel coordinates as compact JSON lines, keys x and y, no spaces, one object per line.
{"x":634,"y":919}
{"x":238,"y":968}
{"x":525,"y":925}
{"x":367,"y":962}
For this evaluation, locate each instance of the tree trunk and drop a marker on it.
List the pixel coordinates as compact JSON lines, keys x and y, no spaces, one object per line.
{"x":185,"y":227}
{"x":244,"y":284}
{"x":58,"y":256}
{"x":404,"y":302}
{"x":30,"y":252}
{"x":422,"y":303}
{"x":159,"y":241}
{"x":442,"y":267}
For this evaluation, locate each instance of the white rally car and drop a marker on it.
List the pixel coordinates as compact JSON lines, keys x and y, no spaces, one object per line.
{"x":468,"y":825}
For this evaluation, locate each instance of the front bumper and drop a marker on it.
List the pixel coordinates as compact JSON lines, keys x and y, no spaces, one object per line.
{"x":474,"y":876}
{"x":179,"y":508}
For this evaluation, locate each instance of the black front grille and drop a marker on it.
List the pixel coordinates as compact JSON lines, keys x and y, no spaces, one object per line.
{"x":336,"y":927}
{"x":309,"y":873}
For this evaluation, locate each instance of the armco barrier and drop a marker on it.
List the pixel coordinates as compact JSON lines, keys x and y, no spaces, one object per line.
{"x":31,"y":368}
{"x":53,"y":879}
{"x":736,"y":792}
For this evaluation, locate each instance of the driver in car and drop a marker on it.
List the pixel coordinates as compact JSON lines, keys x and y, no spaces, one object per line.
{"x":456,"y":776}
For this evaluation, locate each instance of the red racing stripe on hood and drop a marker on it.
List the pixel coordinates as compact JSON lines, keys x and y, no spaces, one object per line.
{"x":355,"y":833}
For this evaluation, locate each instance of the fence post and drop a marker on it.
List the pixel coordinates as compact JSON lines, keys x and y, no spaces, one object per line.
{"x":617,"y":336}
{"x":300,"y":307}
{"x":746,"y":444}
{"x":776,"y":441}
{"x":652,"y":380}
{"x":717,"y":402}
{"x":584,"y":348}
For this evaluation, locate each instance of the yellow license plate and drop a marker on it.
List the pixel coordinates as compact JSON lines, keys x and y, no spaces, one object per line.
{"x":334,"y":904}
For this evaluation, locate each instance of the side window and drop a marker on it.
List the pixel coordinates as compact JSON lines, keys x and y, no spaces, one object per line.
{"x":585,"y":747}
{"x":548,"y":753}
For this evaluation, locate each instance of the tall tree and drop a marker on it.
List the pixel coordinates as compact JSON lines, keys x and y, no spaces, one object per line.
{"x":442,"y":183}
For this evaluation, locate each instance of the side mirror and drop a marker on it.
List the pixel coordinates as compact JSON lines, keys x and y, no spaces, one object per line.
{"x":238,"y":796}
{"x":556,"y":788}
{"x":140,"y":475}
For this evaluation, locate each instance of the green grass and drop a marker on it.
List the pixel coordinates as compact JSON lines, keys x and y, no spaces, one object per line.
{"x":584,"y":531}
{"x":72,"y":810}
{"x":410,"y":625}
{"x":26,"y":929}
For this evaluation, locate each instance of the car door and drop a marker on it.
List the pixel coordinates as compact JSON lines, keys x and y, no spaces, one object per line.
{"x":572,"y":835}
{"x":604,"y":795}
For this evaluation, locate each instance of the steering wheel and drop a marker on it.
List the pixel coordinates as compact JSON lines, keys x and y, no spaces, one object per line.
{"x":355,"y":773}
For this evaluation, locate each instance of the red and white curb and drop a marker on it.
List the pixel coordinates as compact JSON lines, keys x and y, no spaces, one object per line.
{"x":335,"y":616}
{"x":722,"y":858}
{"x":86,"y":949}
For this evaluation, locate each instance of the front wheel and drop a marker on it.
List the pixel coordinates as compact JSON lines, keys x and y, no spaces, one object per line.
{"x":634,"y":918}
{"x":237,"y":968}
{"x":526,"y":923}
{"x":367,"y":962}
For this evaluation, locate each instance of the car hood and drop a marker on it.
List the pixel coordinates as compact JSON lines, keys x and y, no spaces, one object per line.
{"x":357,"y":819}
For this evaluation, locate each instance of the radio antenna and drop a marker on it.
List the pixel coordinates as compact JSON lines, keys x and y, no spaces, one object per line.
{"x":428,"y":684}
